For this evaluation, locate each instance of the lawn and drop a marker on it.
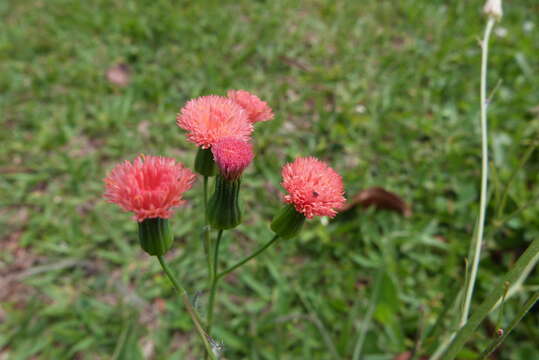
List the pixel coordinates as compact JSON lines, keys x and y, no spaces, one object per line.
{"x":387,"y":92}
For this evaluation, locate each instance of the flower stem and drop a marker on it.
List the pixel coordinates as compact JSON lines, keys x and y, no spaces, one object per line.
{"x":475,"y":246}
{"x":207,"y":249}
{"x":242,"y":262}
{"x":484,"y":177}
{"x":205,"y":199}
{"x":497,"y":293}
{"x":192,"y":313}
{"x":215,"y":276}
{"x":213,"y":280}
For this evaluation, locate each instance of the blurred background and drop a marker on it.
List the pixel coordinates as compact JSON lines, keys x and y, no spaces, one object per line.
{"x":385,"y":91}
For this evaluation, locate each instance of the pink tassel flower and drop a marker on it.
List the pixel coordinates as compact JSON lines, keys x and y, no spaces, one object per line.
{"x":232,"y":156}
{"x":257,"y":109}
{"x":210,"y":118}
{"x":314,"y":188}
{"x":150,"y":187}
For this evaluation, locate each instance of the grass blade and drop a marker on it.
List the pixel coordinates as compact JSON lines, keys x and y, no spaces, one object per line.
{"x":523,"y":311}
{"x":466,"y":332}
{"x":368,"y":317}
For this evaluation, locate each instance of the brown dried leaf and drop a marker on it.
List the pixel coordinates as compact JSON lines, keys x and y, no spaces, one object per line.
{"x":119,"y":74}
{"x":380,"y":199}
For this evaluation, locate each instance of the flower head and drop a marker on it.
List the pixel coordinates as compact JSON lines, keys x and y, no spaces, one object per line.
{"x":232,"y":156}
{"x":493,"y":8}
{"x":313,"y":187}
{"x":210,"y":118}
{"x":257,"y":109}
{"x":150,"y":187}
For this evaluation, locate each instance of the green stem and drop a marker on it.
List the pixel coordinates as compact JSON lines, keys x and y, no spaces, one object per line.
{"x":207,"y":249}
{"x":466,"y":332}
{"x":484,"y":176}
{"x":475,"y":246}
{"x":497,"y":341}
{"x":192,"y":313}
{"x":205,"y":198}
{"x":256,"y":253}
{"x":214,"y":280}
{"x":215,"y":276}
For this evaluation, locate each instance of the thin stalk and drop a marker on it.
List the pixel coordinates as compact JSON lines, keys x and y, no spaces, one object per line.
{"x":192,"y":313}
{"x":207,"y":249}
{"x":467,"y":331}
{"x":368,"y":316}
{"x":466,"y":283}
{"x":256,"y":253}
{"x":205,"y":197}
{"x":497,"y":341}
{"x":484,"y":176}
{"x":214,"y":281}
{"x":207,"y":245}
{"x":500,"y":313}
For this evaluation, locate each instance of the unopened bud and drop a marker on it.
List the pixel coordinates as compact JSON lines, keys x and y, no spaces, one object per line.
{"x":204,"y":164}
{"x":288,"y":222}
{"x":493,"y":8}
{"x":155,"y":236}
{"x":223,"y":208}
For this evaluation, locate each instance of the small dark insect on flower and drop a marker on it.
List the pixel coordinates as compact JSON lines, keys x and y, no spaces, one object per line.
{"x":499,"y":332}
{"x":315,"y":194}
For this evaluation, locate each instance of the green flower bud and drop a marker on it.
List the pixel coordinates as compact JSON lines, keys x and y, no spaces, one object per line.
{"x":288,"y":222}
{"x":155,"y":236}
{"x":223,"y":207}
{"x":204,"y":163}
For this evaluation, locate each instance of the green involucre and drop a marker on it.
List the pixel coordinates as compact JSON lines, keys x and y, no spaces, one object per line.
{"x":204,"y":163}
{"x":223,"y":207}
{"x":155,"y":236}
{"x":288,"y":222}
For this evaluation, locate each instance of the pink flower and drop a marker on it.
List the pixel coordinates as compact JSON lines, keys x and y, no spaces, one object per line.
{"x":150,"y":187}
{"x":232,"y":156}
{"x":257,"y":109}
{"x":313,"y":187}
{"x":210,"y":118}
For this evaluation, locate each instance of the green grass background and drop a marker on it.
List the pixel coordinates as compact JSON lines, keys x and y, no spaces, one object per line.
{"x":386,"y":91}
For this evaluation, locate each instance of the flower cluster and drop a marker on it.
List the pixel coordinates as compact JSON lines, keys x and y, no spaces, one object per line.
{"x":152,"y":187}
{"x":224,"y":125}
